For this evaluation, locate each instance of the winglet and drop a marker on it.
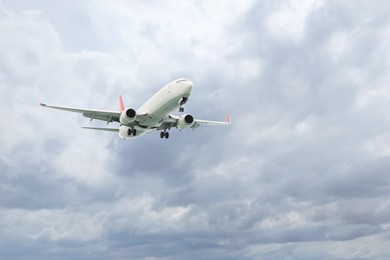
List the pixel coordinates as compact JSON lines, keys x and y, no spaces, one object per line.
{"x":121,"y":105}
{"x":42,"y":104}
{"x":229,"y":120}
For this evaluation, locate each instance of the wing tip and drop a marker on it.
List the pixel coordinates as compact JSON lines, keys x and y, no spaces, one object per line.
{"x":229,"y":119}
{"x":42,"y":104}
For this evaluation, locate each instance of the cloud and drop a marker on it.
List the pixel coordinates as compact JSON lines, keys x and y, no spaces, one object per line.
{"x":301,"y":172}
{"x":290,"y":20}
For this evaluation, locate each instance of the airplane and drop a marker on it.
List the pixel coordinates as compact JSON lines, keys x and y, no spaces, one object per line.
{"x":154,"y":114}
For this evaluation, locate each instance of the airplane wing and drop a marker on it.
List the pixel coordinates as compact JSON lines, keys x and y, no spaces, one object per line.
{"x":102,"y":129}
{"x":199,"y":122}
{"x":172,"y":121}
{"x":104,"y":115}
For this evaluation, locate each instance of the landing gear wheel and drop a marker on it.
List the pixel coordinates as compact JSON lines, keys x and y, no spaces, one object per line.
{"x":166,"y":135}
{"x":181,"y":109}
{"x":162,"y":135}
{"x":132,"y":132}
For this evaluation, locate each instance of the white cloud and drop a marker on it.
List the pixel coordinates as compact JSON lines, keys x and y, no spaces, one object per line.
{"x":290,"y":20}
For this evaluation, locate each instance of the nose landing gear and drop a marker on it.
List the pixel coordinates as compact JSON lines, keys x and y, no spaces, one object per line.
{"x":182,"y":101}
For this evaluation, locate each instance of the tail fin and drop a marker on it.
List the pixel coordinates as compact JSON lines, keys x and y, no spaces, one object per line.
{"x":121,"y":105}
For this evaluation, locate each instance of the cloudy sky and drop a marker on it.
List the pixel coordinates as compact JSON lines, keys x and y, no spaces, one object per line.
{"x":302,"y":173}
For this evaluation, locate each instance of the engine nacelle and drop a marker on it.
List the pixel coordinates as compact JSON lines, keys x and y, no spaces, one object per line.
{"x":127,"y":116}
{"x":128,"y":132}
{"x":185,"y":121}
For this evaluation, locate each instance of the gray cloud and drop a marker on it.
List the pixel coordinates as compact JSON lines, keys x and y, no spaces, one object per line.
{"x":300,"y":174}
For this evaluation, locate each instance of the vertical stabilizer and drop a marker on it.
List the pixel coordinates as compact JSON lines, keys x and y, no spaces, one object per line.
{"x":121,"y":105}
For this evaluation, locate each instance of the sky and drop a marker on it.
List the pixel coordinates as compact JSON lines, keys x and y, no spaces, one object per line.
{"x":303,"y":171}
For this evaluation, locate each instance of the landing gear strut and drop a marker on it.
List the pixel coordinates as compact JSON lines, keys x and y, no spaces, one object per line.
{"x":182,"y":101}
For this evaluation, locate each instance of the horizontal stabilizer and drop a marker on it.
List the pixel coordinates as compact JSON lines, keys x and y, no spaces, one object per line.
{"x":102,"y":129}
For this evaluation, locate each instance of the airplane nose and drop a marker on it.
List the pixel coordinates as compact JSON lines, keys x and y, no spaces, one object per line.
{"x":184,"y":85}
{"x":188,"y":86}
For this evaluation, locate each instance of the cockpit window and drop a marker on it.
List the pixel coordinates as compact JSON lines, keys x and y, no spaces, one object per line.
{"x":181,"y":80}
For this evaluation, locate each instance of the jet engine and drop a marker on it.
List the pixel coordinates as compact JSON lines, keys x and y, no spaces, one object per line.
{"x":185,"y":121}
{"x":127,"y":116}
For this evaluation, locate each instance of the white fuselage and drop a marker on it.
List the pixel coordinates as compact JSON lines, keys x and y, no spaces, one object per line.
{"x":160,"y":105}
{"x":165,"y":101}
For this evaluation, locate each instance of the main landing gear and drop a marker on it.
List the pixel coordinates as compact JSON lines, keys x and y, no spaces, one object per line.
{"x":181,"y":109}
{"x":132,"y":131}
{"x":164,"y":134}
